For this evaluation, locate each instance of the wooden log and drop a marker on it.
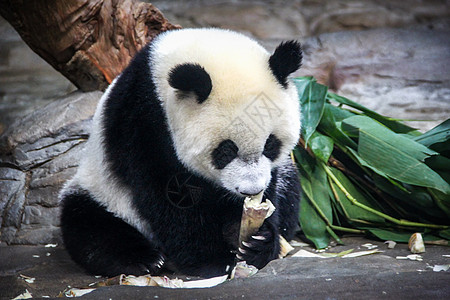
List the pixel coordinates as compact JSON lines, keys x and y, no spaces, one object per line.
{"x":88,"y":41}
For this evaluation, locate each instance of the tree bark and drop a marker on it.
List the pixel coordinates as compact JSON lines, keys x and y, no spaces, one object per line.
{"x":89,"y":41}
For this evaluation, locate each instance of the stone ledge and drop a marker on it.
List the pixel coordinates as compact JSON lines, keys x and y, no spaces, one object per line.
{"x":38,"y":154}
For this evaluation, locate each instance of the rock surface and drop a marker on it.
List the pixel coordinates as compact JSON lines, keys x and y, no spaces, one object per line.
{"x":301,"y":18}
{"x":377,"y":276}
{"x":38,"y":153}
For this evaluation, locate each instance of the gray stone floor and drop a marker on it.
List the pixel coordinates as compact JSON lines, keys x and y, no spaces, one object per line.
{"x":376,"y":276}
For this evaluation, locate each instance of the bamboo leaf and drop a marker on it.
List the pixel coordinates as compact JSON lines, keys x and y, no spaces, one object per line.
{"x":313,"y":226}
{"x":371,"y":167}
{"x":328,"y":126}
{"x":414,"y":202}
{"x":399,"y":165}
{"x":339,"y":113}
{"x":393,"y":154}
{"x":374,"y":211}
{"x":354,"y":212}
{"x":442,"y":201}
{"x":445,"y":234}
{"x":322,"y":146}
{"x":389,"y":235}
{"x":394,"y":125}
{"x":357,"y":124}
{"x":438,"y":139}
{"x":399,"y":236}
{"x":438,"y":134}
{"x":315,"y":209}
{"x":312,"y":99}
{"x":441,"y":164}
{"x":305,"y":162}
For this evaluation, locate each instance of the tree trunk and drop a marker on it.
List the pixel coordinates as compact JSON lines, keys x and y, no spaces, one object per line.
{"x":88,"y":41}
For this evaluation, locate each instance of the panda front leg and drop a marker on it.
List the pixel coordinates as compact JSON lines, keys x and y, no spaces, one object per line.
{"x":102,"y":243}
{"x":262,"y":247}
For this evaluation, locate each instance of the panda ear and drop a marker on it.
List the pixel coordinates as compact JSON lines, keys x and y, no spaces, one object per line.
{"x":191,"y":78}
{"x":286,"y":59}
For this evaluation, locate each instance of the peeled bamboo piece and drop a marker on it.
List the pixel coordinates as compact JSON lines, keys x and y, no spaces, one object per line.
{"x":253,"y":215}
{"x":285,"y":247}
{"x":416,"y":244}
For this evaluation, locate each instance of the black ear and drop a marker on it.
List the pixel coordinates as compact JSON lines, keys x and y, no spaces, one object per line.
{"x":286,"y":59}
{"x":191,"y":78}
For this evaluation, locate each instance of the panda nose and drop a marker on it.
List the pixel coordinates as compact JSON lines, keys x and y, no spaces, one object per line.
{"x":249,"y":192}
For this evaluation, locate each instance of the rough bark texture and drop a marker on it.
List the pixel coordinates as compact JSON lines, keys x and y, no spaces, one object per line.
{"x":88,"y":41}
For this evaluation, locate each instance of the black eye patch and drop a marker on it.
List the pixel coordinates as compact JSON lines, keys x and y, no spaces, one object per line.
{"x":224,"y":154}
{"x":272,"y":147}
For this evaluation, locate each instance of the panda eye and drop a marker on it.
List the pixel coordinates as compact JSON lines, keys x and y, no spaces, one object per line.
{"x":224,"y":154}
{"x":272,"y":147}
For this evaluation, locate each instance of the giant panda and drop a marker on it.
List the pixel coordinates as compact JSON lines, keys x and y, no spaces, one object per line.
{"x":200,"y":119}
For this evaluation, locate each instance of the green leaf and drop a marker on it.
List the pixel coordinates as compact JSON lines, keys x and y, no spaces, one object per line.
{"x":389,"y":235}
{"x":339,"y":113}
{"x":328,"y":126}
{"x":321,"y":145}
{"x":440,"y":164}
{"x":442,"y":201}
{"x":399,"y":236}
{"x":397,"y":164}
{"x":354,"y":212}
{"x":394,"y":125}
{"x":315,"y":208}
{"x":438,"y":134}
{"x":305,"y":162}
{"x":312,"y":224}
{"x":358,"y":124}
{"x":312,"y":100}
{"x":413,"y":202}
{"x":395,"y":155}
{"x":445,"y":234}
{"x":363,"y":163}
{"x":438,"y":139}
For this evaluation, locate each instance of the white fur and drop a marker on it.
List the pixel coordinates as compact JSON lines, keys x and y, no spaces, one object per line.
{"x":241,"y":79}
{"x":247,"y":178}
{"x":93,"y":174}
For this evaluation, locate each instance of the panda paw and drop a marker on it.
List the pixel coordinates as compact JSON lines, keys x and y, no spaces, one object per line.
{"x":140,"y":265}
{"x":150,"y":267}
{"x":261,"y":248}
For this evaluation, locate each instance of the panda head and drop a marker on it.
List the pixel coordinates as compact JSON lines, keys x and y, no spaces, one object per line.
{"x":232,"y":113}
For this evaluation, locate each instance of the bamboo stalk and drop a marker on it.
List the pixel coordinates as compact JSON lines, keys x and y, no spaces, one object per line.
{"x":374,"y":211}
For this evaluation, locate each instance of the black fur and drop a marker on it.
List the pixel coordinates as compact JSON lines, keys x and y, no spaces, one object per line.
{"x":195,"y":239}
{"x":272,"y":147}
{"x":191,"y":78}
{"x":224,"y":154}
{"x":94,"y":236}
{"x":286,"y":59}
